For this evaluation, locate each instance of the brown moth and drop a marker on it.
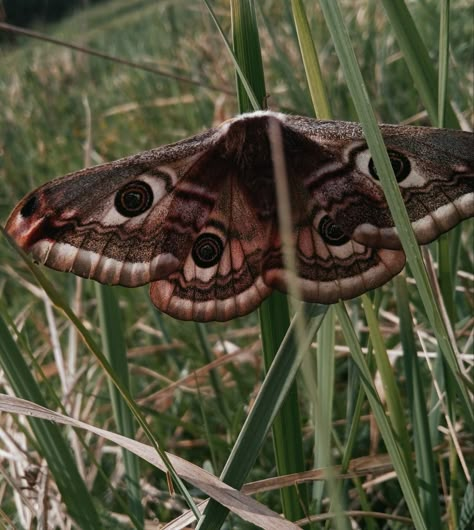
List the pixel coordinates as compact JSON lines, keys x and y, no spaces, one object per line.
{"x":197,"y":219}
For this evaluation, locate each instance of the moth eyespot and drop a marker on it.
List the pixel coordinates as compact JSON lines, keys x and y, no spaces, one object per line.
{"x":331,"y":233}
{"x":29,"y":208}
{"x":134,"y":198}
{"x":207,"y":250}
{"x":400,"y":164}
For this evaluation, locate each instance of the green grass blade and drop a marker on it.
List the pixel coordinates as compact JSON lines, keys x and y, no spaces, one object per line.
{"x":374,"y":139}
{"x":246,"y":47}
{"x":254,"y":100}
{"x":316,"y":85}
{"x":425,"y":463}
{"x":391,"y":392}
{"x":273,"y":391}
{"x":51,"y":443}
{"x":390,"y":439}
{"x":115,"y":350}
{"x":417,"y":59}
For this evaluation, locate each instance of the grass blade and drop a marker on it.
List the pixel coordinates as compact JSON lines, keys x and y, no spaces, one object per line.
{"x":48,"y":436}
{"x":417,"y":59}
{"x":272,"y":393}
{"x":311,"y":63}
{"x":374,"y":139}
{"x":113,"y":345}
{"x":425,"y":464}
{"x":389,"y":437}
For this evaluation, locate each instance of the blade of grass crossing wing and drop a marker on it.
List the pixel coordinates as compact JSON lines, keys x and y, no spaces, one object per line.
{"x":274,"y":314}
{"x":114,"y":348}
{"x":323,"y":392}
{"x":425,"y":463}
{"x":445,"y":248}
{"x":50,"y":441}
{"x":359,"y":94}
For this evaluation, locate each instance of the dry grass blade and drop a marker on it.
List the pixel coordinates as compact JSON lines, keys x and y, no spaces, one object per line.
{"x":247,"y":508}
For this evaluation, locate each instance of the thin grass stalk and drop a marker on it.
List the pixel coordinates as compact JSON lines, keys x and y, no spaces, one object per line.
{"x":274,"y":313}
{"x":418,"y":60}
{"x":391,"y":393}
{"x":51,"y":444}
{"x":115,"y":350}
{"x":273,"y":392}
{"x":394,"y":199}
{"x":323,"y":391}
{"x":445,"y":249}
{"x":391,"y":442}
{"x":446,"y":276}
{"x":424,"y":455}
{"x":214,"y":376}
{"x":287,"y":433}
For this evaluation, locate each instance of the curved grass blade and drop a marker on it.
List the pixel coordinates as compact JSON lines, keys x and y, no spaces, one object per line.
{"x":61,"y":304}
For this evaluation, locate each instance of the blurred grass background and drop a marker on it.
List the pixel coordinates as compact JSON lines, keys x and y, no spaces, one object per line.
{"x":45,"y":90}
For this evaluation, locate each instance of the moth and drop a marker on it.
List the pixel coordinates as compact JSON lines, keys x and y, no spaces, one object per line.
{"x":198,"y":220}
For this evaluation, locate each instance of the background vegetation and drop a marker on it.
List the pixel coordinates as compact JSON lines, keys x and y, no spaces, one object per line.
{"x":53,"y":98}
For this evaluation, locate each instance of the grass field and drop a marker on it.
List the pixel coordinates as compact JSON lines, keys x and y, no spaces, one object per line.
{"x":408,"y":452}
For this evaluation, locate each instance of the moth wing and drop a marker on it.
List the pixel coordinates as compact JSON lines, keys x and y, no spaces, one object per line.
{"x":221,"y":276}
{"x":91,"y":222}
{"x":434,"y":169}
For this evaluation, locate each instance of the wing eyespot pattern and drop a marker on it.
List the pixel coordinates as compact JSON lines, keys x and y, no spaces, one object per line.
{"x":29,"y":207}
{"x":134,"y":198}
{"x":400,"y":164}
{"x":207,"y":250}
{"x":331,"y":233}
